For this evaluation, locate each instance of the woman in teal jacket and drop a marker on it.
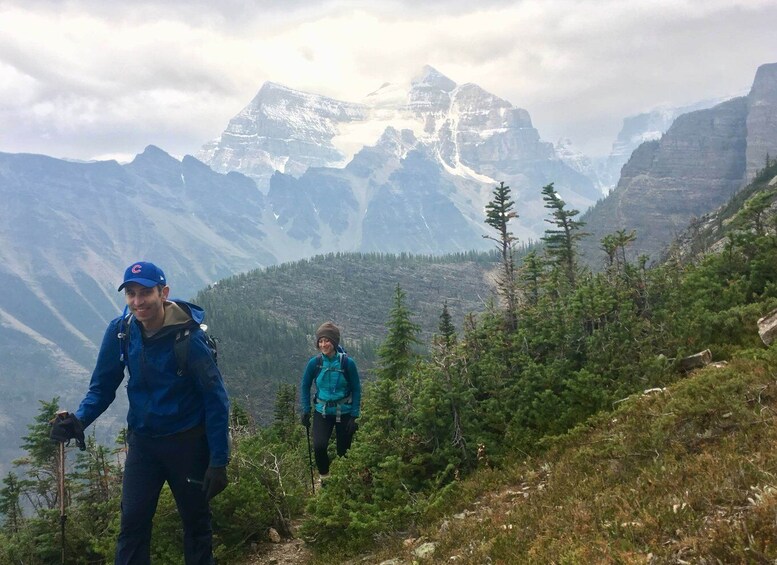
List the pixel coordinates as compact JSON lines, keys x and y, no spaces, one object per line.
{"x":338,"y":396}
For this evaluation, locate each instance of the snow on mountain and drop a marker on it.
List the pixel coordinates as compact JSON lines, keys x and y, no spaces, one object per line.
{"x":581,"y":162}
{"x":282,"y":129}
{"x":463,"y":139}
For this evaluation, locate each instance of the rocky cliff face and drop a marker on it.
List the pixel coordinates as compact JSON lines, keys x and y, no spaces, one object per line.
{"x":701,"y":161}
{"x":636,"y":130}
{"x":762,"y":119}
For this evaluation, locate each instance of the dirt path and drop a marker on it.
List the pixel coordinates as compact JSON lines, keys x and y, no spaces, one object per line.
{"x":286,"y":552}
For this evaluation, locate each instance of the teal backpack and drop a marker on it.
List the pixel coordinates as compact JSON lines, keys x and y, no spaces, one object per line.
{"x":343,"y":358}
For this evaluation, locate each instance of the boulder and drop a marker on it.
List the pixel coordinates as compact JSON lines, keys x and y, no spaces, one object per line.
{"x":696,"y":361}
{"x":767,"y":327}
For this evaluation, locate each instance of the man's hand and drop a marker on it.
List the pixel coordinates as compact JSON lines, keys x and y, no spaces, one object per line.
{"x":215,"y":481}
{"x":305,"y":419}
{"x":65,"y":426}
{"x":351,"y":426}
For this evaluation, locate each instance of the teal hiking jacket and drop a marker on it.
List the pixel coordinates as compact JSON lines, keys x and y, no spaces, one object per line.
{"x":333,"y":390}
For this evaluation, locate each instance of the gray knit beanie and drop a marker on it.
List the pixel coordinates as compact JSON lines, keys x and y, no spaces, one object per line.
{"x":329,"y":331}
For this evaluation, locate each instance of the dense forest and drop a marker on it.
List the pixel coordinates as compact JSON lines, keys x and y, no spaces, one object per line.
{"x":265,"y":320}
{"x":547,"y":366}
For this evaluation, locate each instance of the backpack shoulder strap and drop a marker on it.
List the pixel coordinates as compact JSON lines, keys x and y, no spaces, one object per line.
{"x":343,"y":357}
{"x":181,"y":349}
{"x":319,"y":365}
{"x":124,"y":329}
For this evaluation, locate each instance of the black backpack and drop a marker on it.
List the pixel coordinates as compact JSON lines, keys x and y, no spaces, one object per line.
{"x":180,"y":346}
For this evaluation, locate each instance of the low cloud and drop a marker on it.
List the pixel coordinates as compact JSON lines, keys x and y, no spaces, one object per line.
{"x":88,"y":78}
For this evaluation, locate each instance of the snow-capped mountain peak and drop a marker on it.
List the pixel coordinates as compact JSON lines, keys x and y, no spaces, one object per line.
{"x":428,"y":136}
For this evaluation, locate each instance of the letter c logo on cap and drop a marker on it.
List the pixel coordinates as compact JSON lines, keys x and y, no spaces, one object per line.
{"x":136,"y":269}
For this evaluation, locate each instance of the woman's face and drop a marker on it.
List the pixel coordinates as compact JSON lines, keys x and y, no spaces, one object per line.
{"x":326,"y":346}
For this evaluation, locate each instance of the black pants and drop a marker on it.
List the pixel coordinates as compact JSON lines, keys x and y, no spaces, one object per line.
{"x":150,"y":463}
{"x":322,"y":431}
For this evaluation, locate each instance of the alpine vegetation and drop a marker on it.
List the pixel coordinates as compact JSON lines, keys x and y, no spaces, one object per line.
{"x":564,"y":408}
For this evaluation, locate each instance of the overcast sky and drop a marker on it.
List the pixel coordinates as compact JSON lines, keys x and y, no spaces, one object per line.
{"x":96,"y":79}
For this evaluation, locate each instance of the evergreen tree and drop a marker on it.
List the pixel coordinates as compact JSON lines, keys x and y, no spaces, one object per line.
{"x":614,"y":245}
{"x":561,"y":242}
{"x":389,"y":395}
{"x":10,"y":506}
{"x":94,"y":506}
{"x":285,"y":414}
{"x":396,"y":353}
{"x":499,"y":212}
{"x":446,"y":361}
{"x":285,"y":400}
{"x":241,"y":422}
{"x":446,"y":327}
{"x":531,"y":276}
{"x":99,"y":479}
{"x":753,"y":218}
{"x":41,"y":462}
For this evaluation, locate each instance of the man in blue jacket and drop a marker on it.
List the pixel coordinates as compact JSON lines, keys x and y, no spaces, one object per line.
{"x":177,"y":424}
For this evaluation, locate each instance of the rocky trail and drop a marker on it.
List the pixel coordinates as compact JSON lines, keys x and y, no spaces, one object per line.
{"x":492,"y":509}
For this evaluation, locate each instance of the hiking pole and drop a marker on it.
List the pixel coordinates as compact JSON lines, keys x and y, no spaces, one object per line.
{"x":310,"y":458}
{"x":62,"y":515}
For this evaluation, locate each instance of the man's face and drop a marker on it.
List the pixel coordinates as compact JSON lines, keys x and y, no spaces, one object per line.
{"x":326,"y":346}
{"x":147,"y":304}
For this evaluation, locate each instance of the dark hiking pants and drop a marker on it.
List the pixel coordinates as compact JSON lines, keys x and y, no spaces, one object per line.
{"x":150,"y":463}
{"x":322,"y":432}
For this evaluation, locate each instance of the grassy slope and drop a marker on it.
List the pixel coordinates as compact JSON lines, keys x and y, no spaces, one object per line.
{"x":687,"y":474}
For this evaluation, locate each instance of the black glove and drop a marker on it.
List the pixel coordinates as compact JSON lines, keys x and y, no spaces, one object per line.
{"x":305,"y":419}
{"x":215,"y":481}
{"x":65,"y":426}
{"x":351,"y":426}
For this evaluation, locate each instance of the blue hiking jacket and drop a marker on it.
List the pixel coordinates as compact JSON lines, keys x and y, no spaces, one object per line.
{"x":161,"y":402}
{"x":331,"y":386}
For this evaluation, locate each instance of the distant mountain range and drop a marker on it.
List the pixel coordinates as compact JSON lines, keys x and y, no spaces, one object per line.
{"x":407,"y":169}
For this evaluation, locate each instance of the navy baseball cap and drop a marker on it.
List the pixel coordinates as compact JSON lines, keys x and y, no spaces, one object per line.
{"x":146,"y":274}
